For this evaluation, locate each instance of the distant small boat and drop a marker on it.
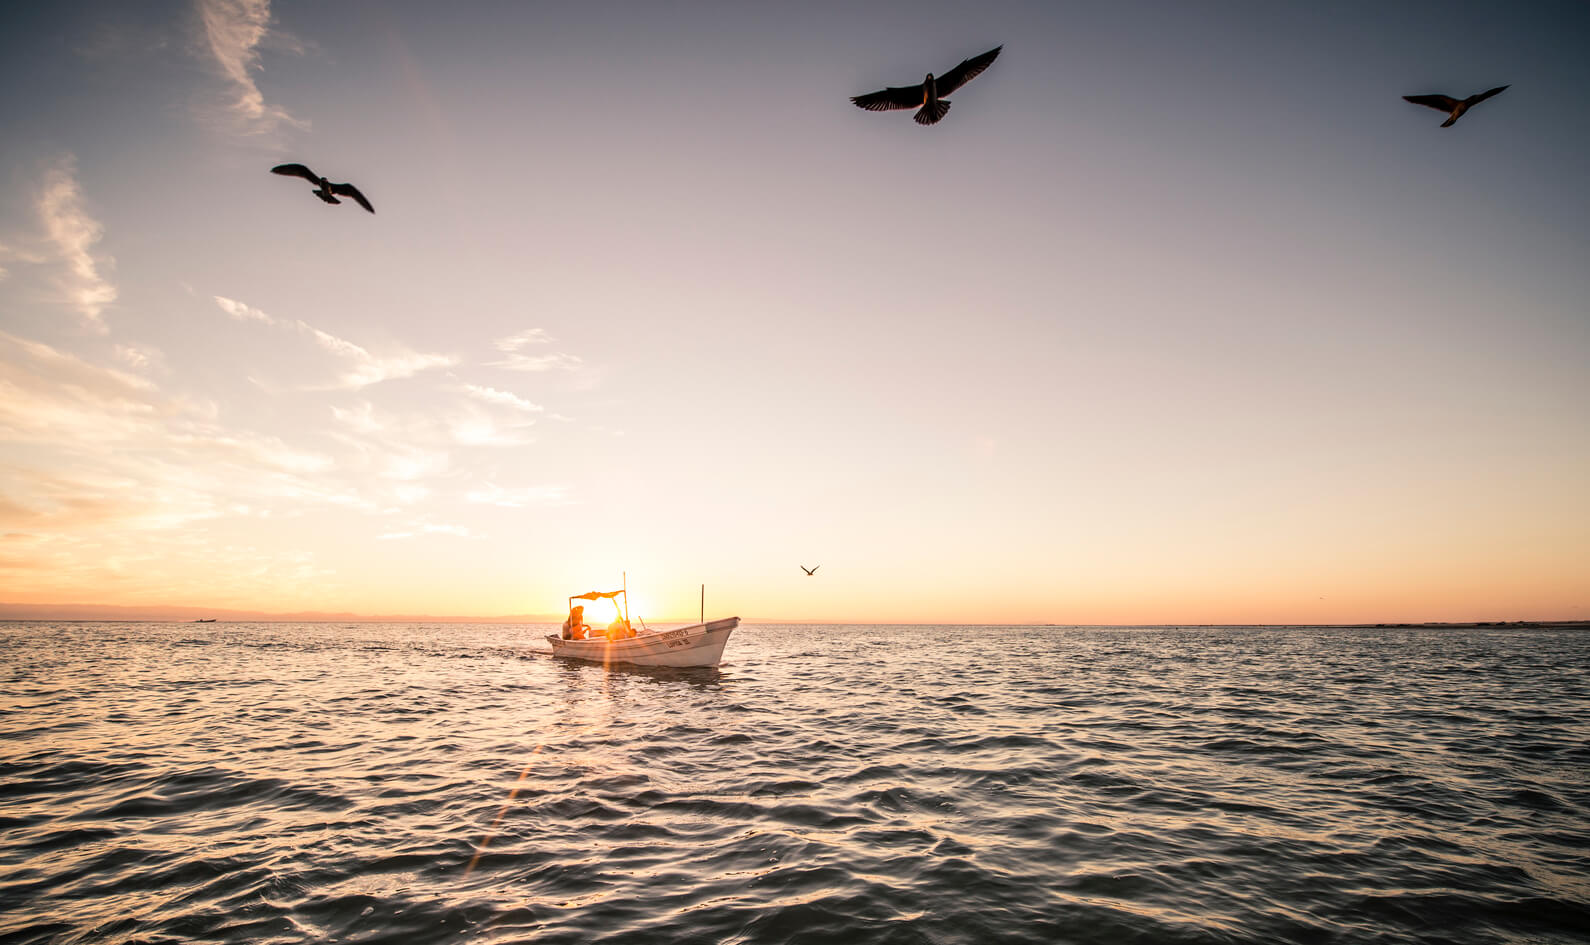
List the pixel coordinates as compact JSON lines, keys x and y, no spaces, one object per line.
{"x":699,"y":644}
{"x":205,"y":620}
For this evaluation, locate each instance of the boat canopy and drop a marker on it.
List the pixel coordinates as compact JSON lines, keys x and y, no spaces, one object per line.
{"x":621,"y":610}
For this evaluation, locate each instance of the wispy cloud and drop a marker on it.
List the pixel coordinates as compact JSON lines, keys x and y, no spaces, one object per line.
{"x":530,"y":336}
{"x":517,"y":359}
{"x":415,"y":464}
{"x":47,"y":395}
{"x":369,"y":369}
{"x":232,"y":32}
{"x":184,"y":565}
{"x":241,"y":312}
{"x":472,"y":427}
{"x":492,"y":395}
{"x":115,"y":483}
{"x":360,"y":418}
{"x":557,"y":361}
{"x":400,"y":452}
{"x":136,"y":454}
{"x":139,"y":357}
{"x":363,"y":368}
{"x":254,"y":450}
{"x":461,"y":531}
{"x":69,"y":503}
{"x":12,"y":253}
{"x":109,"y":483}
{"x":72,"y":234}
{"x":409,"y":493}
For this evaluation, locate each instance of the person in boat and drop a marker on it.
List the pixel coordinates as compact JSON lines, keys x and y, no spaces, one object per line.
{"x":619,"y":629}
{"x":575,"y":627}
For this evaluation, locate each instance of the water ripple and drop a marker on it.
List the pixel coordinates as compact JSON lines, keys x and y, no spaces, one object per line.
{"x":282,"y":784}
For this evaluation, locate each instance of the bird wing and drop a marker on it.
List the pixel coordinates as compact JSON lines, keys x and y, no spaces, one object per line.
{"x":966,"y":71}
{"x":1443,"y":103}
{"x":1476,"y":99}
{"x":888,"y":100}
{"x":296,"y":170}
{"x":348,"y":190}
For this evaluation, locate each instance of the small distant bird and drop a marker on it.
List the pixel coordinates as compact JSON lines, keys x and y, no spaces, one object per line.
{"x":1453,"y":107}
{"x":325,"y":189}
{"x":927,"y":94}
{"x":810,"y":571}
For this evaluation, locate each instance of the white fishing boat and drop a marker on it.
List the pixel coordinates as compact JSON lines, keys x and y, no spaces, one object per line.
{"x":697,"y":645}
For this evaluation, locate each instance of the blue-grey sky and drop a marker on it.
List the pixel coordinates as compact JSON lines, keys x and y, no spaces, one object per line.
{"x":1182,"y":313}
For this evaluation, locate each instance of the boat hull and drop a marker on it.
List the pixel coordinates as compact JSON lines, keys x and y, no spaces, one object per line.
{"x":696,"y":645}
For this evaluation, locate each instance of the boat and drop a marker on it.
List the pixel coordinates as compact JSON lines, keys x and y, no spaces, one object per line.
{"x":697,"y":645}
{"x":205,"y":620}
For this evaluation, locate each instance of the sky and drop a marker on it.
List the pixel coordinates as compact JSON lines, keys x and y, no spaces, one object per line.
{"x":1181,"y":315}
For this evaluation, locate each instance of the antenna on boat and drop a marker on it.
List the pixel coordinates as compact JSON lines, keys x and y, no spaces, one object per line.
{"x":626,"y":597}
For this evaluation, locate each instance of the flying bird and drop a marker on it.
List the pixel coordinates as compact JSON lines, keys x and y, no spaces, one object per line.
{"x":324,"y":189}
{"x":810,"y":571}
{"x":1453,"y":107}
{"x":927,"y":95}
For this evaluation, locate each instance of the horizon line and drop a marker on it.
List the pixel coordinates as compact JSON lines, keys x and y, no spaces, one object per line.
{"x":11,"y":612}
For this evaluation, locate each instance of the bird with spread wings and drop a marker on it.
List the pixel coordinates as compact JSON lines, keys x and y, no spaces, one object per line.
{"x":324,"y":189}
{"x":1453,"y":107}
{"x":928,"y":95}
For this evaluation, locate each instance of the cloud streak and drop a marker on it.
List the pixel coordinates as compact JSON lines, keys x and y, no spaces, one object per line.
{"x":108,"y":466}
{"x":518,"y":360}
{"x":47,"y":395}
{"x":73,"y":233}
{"x":233,"y":31}
{"x":364,"y":368}
{"x":502,"y":398}
{"x":107,"y":451}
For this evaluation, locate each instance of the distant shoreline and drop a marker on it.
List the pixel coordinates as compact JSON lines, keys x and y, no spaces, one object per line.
{"x":35,"y":613}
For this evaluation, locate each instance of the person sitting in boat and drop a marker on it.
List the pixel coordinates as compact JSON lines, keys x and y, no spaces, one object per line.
{"x":575,"y":627}
{"x":619,"y":629}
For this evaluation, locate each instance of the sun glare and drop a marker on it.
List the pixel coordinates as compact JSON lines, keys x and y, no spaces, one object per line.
{"x":638,"y":609}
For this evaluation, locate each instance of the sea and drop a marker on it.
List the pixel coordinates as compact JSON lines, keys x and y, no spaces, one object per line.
{"x":325,"y":782}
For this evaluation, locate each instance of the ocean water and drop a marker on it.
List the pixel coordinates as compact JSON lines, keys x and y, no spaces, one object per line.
{"x":450,"y":783}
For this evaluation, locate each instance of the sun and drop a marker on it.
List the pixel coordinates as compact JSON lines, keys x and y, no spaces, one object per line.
{"x":599,"y":613}
{"x":638,"y":608}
